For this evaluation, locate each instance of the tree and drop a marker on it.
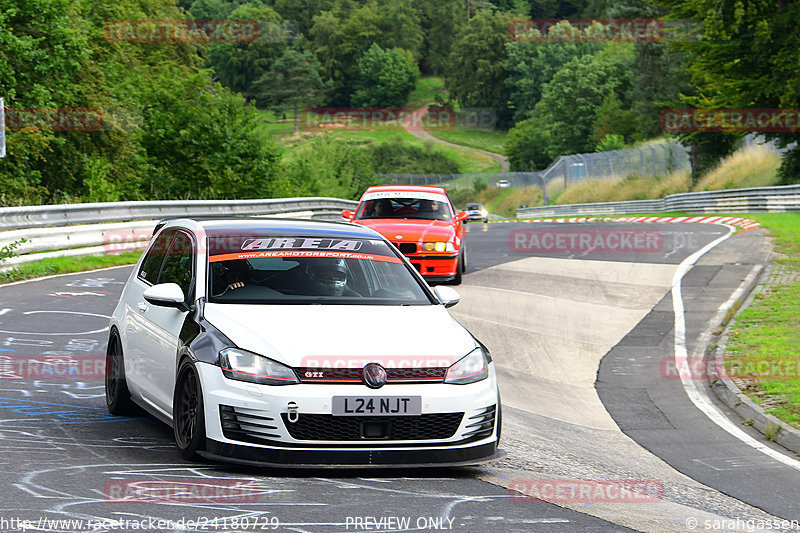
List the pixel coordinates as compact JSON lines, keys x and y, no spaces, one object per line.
{"x":612,"y":119}
{"x":293,"y":81}
{"x":531,"y":65}
{"x":570,"y":100}
{"x":747,"y":56}
{"x":302,"y":12}
{"x":475,"y":71}
{"x":166,"y":130}
{"x":658,"y":71}
{"x":329,"y":166}
{"x":444,"y":21}
{"x":340,"y":37}
{"x":526,"y":146}
{"x":238,"y":65}
{"x":612,"y":141}
{"x":212,"y":9}
{"x":385,"y":78}
{"x":401,"y":27}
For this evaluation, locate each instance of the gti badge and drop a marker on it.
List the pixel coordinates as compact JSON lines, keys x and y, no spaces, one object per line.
{"x":374,"y":376}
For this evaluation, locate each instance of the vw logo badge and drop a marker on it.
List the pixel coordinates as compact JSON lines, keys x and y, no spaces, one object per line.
{"x":374,"y":376}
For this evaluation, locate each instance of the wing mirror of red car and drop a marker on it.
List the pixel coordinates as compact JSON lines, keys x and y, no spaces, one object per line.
{"x":347,"y":214}
{"x":462,"y":216}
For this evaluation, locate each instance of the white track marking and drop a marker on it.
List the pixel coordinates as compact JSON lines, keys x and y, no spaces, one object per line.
{"x":690,"y":385}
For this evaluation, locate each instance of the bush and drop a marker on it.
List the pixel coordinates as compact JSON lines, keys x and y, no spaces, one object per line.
{"x":526,"y":146}
{"x":7,"y":251}
{"x":329,"y":167}
{"x":397,"y":157}
{"x":611,"y":141}
{"x":385,"y":78}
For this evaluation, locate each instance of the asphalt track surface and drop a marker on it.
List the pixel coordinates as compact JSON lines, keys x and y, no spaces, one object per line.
{"x":64,"y":457}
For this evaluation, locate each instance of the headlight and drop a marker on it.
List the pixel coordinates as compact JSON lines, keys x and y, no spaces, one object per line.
{"x":469,"y":369}
{"x":247,"y":366}
{"x":438,"y":246}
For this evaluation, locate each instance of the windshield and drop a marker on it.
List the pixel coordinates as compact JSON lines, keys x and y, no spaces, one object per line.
{"x":474,"y":206}
{"x":429,"y":209}
{"x":265,"y":269}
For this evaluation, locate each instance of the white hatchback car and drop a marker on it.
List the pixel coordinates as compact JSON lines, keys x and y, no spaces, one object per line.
{"x":289,"y":342}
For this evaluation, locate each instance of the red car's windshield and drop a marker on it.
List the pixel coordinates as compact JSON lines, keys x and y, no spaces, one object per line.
{"x":404,"y":208}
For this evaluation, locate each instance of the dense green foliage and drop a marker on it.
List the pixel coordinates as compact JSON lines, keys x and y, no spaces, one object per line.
{"x":385,"y":77}
{"x":179,"y":119}
{"x":395,"y":157}
{"x":167,"y":130}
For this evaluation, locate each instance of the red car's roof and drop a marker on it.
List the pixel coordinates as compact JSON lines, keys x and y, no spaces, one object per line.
{"x":409,"y":188}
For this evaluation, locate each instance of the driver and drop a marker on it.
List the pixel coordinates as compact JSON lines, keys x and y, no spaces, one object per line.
{"x":328,"y":277}
{"x":382,"y":208}
{"x":236,"y":274}
{"x":431,"y":207}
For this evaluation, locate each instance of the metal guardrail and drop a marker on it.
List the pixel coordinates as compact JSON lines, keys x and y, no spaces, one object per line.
{"x":83,"y":229}
{"x":61,"y":215}
{"x":756,"y":200}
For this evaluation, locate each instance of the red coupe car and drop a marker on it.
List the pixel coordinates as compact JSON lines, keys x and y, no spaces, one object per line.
{"x":422,"y":222}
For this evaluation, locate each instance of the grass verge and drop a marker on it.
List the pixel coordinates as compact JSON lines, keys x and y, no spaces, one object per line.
{"x":65,"y":265}
{"x":480,"y":138}
{"x":632,"y":187}
{"x":761,"y":356}
{"x":754,"y":166}
{"x":426,"y":90}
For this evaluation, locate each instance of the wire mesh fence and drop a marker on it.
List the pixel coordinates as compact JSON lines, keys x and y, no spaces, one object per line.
{"x":647,"y":160}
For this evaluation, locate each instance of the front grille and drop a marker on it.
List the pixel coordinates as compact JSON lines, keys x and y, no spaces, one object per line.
{"x":481,"y":425}
{"x":353,"y":375}
{"x":406,"y":247}
{"x":239,"y":424}
{"x":344,"y":428}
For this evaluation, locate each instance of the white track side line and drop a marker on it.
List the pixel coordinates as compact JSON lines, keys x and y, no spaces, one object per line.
{"x":690,"y":385}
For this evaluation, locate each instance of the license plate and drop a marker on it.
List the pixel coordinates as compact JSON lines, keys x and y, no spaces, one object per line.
{"x":377,"y":405}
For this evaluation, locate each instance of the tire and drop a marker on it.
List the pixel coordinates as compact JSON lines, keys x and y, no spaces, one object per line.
{"x":118,"y":397}
{"x":499,"y":419}
{"x":459,"y":270}
{"x":188,"y":414}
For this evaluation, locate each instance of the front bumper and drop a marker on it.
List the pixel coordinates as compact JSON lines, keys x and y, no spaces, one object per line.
{"x":248,"y":455}
{"x":435,"y":267}
{"x":249,"y":423}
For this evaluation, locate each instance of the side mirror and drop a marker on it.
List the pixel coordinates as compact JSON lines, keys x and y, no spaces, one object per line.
{"x":166,"y":295}
{"x":447,"y":295}
{"x":461,"y":216}
{"x":347,"y":214}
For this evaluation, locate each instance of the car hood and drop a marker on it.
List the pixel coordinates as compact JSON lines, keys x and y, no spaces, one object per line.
{"x":412,"y":230}
{"x":352,"y":335}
